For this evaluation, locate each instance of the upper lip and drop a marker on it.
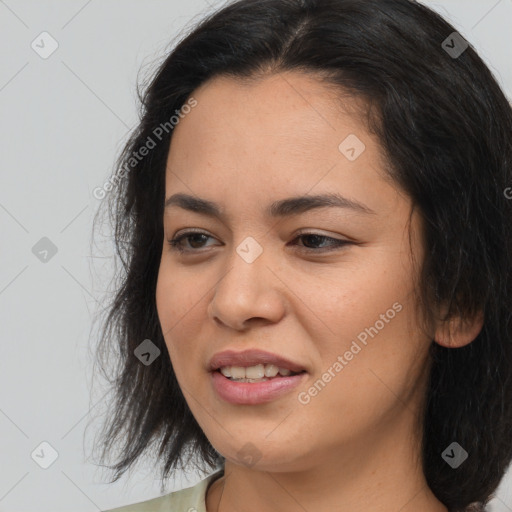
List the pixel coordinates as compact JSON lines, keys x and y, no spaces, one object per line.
{"x":250,"y":358}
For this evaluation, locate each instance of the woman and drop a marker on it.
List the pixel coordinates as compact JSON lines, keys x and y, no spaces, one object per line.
{"x":317,"y":292}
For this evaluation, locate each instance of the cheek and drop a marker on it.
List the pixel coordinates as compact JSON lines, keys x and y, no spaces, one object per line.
{"x":370,"y":391}
{"x":368,"y":318}
{"x":169,"y":309}
{"x":176,"y":296}
{"x":179,"y":307}
{"x":344,"y":302}
{"x":164,"y":300}
{"x":381,"y":361}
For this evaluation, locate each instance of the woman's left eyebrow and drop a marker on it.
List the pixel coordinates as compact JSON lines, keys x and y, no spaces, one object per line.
{"x":282,"y":208}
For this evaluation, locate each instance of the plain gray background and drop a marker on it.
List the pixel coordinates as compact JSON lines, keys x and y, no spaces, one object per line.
{"x":64,"y":119}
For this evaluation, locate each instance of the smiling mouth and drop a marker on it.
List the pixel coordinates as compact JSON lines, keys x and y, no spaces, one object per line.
{"x":256,"y":373}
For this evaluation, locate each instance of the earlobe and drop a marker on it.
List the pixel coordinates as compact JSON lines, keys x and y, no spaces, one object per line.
{"x":455,"y":333}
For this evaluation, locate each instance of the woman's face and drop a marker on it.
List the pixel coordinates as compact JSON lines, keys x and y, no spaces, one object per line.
{"x":344,"y":314}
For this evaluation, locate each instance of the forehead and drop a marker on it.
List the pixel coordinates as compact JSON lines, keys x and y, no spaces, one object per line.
{"x":281,"y":132}
{"x":284,"y":110}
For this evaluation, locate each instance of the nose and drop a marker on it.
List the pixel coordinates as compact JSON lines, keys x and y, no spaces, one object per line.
{"x":248,"y":293}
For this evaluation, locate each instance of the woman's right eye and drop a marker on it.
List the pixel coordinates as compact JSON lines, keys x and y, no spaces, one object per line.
{"x":175,"y":243}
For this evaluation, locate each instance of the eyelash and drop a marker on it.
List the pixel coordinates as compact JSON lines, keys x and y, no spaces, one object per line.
{"x":338,"y":244}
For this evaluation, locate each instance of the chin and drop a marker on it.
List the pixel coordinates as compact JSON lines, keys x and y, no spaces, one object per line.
{"x":263,"y":455}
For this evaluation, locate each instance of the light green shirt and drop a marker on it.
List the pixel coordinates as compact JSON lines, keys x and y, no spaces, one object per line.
{"x":191,"y":499}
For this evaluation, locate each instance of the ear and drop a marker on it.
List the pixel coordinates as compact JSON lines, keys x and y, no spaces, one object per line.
{"x":455,"y":333}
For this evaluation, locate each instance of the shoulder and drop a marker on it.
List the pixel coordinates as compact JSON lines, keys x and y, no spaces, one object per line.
{"x":190,"y":498}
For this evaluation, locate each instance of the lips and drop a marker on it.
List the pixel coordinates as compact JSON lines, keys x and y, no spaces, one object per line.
{"x":252,"y":357}
{"x":256,"y":393}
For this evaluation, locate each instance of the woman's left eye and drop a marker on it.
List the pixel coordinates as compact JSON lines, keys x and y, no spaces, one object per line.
{"x":335,"y":242}
{"x":313,"y":238}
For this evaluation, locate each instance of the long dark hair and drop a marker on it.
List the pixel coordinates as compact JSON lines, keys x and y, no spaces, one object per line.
{"x":446,"y":129}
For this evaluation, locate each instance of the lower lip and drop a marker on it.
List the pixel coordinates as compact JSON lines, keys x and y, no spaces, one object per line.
{"x":251,"y":393}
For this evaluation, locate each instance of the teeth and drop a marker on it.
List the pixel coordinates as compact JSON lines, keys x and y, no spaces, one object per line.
{"x":258,"y":371}
{"x":250,"y":380}
{"x":237,"y":372}
{"x":226,"y":371}
{"x":255,"y":372}
{"x":271,"y":370}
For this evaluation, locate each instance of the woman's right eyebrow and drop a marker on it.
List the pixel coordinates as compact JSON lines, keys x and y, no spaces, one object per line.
{"x":282,"y":208}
